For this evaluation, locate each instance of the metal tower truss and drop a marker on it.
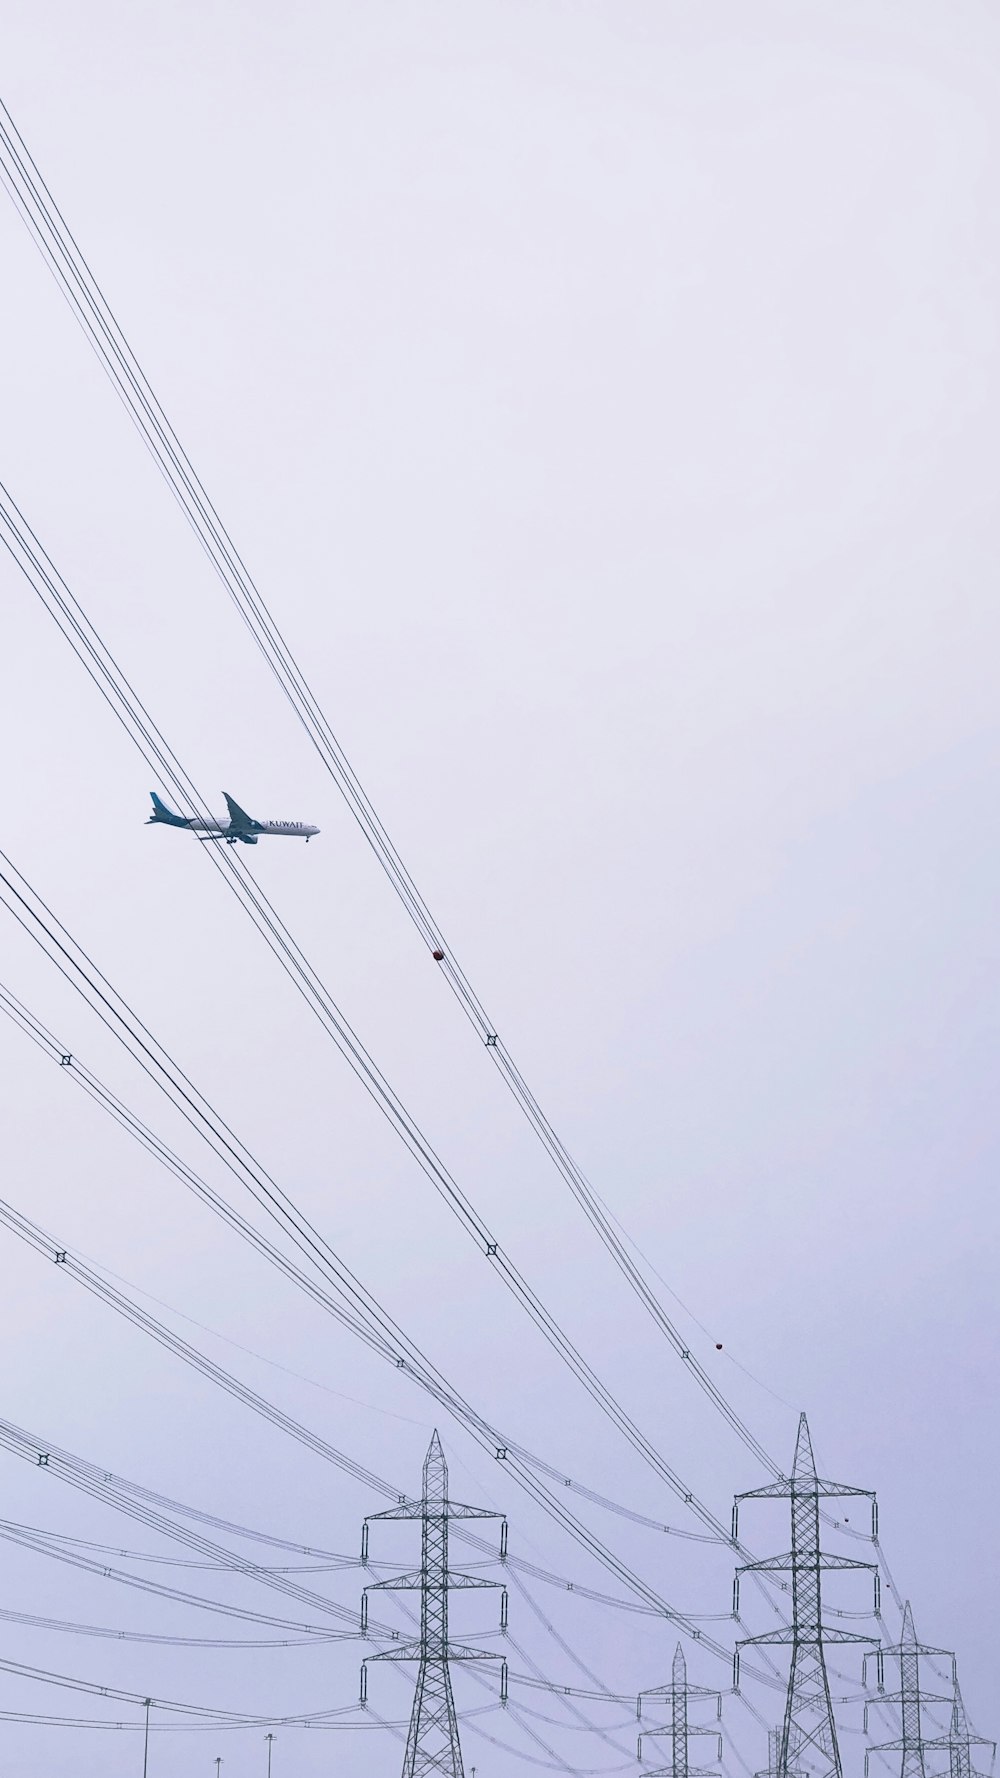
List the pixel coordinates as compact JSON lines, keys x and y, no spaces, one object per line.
{"x":960,"y":1741}
{"x":911,"y":1699}
{"x":432,"y":1745}
{"x":679,"y":1694}
{"x":808,"y":1746}
{"x":773,"y":1756}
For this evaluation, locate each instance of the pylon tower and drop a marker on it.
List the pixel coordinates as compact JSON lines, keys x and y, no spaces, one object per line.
{"x":432,"y":1745}
{"x":960,"y":1740}
{"x":679,"y":1728}
{"x":910,"y":1698}
{"x":808,"y":1745}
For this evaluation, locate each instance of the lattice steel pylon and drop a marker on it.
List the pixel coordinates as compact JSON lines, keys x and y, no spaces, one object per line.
{"x":808,"y":1746}
{"x":960,"y":1740}
{"x":432,"y":1745}
{"x":911,"y":1698}
{"x":679,"y":1694}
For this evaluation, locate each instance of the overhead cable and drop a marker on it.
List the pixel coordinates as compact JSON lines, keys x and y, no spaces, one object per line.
{"x":62,"y":254}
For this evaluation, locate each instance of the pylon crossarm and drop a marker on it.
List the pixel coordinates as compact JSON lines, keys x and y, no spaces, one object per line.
{"x":917,"y":1648}
{"x":411,"y":1651}
{"x":414,"y":1509}
{"x":399,"y":1583}
{"x":470,"y":1580}
{"x":771,"y":1491}
{"x":786,"y":1563}
{"x":668,"y":1729}
{"x":785,"y":1637}
{"x":407,"y":1509}
{"x":901,"y":1698}
{"x":801,"y":1486}
{"x":664,"y":1691}
{"x":457,"y":1651}
{"x":968,"y":1736}
{"x":400,"y":1651}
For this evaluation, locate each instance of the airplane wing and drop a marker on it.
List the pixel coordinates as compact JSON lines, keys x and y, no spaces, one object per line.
{"x":239,"y":820}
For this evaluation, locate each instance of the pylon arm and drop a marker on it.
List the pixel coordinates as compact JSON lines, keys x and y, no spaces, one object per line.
{"x":665,"y":1691}
{"x":967,"y":1737}
{"x":903,"y":1698}
{"x":414,"y":1509}
{"x":412,"y":1582}
{"x":400,"y":1583}
{"x":456,"y":1651}
{"x":407,"y":1509}
{"x":784,"y":1564}
{"x":783,"y":1489}
{"x":785,"y":1638}
{"x":692,"y":1729}
{"x":472,"y":1580}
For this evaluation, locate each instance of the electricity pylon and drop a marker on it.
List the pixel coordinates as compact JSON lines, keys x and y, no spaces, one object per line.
{"x":773,"y":1755}
{"x":432,"y":1745}
{"x":679,"y":1728}
{"x":911,"y":1698}
{"x":960,"y":1741}
{"x":808,"y":1746}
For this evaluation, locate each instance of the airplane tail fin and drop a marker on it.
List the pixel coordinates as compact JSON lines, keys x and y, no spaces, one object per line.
{"x":162,"y":813}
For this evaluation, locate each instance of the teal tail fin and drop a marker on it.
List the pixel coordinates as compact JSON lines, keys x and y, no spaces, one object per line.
{"x":162,"y":813}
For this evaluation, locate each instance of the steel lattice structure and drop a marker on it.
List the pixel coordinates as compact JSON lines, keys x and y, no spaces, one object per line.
{"x":960,"y":1740}
{"x":432,"y":1745}
{"x":679,"y":1728}
{"x":911,"y":1699}
{"x":808,"y":1738}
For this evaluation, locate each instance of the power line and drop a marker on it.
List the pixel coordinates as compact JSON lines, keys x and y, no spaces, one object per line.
{"x":73,"y":1068}
{"x":61,"y":252}
{"x":381,"y":1333}
{"x":58,"y":247}
{"x":517,"y":1565}
{"x":49,"y":586}
{"x":39,"y":570}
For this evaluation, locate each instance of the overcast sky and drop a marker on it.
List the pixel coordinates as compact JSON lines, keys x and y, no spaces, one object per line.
{"x":604,"y":399}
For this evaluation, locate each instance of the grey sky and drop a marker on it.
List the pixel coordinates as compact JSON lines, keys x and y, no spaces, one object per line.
{"x":604,"y":399}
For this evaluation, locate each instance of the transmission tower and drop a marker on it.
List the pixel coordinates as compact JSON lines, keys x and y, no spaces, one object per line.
{"x":912,"y":1699}
{"x":679,"y":1694}
{"x":432,"y":1745}
{"x":808,"y":1746}
{"x":960,"y":1741}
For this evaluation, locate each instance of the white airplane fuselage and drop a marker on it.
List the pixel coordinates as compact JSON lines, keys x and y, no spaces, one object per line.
{"x":238,"y":826}
{"x":219,"y":829}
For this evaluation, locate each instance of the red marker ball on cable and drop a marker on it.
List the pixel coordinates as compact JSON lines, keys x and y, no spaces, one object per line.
{"x":438,"y":956}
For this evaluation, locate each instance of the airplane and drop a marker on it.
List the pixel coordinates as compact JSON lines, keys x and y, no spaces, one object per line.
{"x":240,"y":825}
